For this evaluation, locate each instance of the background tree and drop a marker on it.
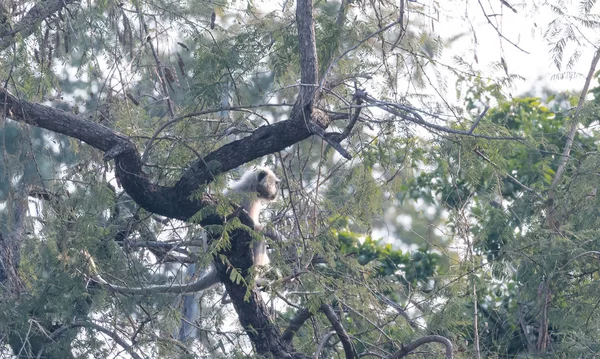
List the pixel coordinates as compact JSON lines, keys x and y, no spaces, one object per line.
{"x":149,"y":108}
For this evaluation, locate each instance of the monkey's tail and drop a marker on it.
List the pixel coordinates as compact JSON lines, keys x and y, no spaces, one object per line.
{"x":261,"y":254}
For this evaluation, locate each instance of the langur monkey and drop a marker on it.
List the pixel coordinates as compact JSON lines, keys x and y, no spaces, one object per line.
{"x":256,"y":187}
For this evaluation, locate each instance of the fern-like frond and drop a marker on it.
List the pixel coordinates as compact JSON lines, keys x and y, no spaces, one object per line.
{"x":585,"y":6}
{"x":567,"y":75}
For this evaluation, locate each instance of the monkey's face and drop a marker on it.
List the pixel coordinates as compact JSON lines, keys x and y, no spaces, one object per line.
{"x":268,"y":185}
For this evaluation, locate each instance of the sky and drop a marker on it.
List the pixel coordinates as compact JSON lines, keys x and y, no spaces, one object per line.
{"x":522,"y":44}
{"x":526,"y":28}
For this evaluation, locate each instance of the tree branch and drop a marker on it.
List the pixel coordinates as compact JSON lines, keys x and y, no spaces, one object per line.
{"x":208,"y":278}
{"x":487,"y":17}
{"x":341,"y":332}
{"x":406,"y":349}
{"x":34,"y":17}
{"x":342,"y":136}
{"x":308,"y":52}
{"x":411,"y":114}
{"x":302,"y":315}
{"x":79,"y":324}
{"x":247,"y":300}
{"x":10,"y":244}
{"x":322,"y":344}
{"x":172,"y":202}
{"x":574,"y":123}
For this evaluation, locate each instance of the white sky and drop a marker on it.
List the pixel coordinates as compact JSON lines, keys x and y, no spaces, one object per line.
{"x":525,"y":28}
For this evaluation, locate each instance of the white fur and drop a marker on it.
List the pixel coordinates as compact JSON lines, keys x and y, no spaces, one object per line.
{"x":257,"y":186}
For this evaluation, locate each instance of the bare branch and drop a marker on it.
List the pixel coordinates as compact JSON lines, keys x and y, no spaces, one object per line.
{"x":399,"y":309}
{"x":574,"y":123}
{"x":301,"y":316}
{"x":341,"y":332}
{"x":411,"y":114}
{"x":79,"y":324}
{"x":207,"y":279}
{"x":342,"y":136}
{"x":498,"y":30}
{"x":322,"y":344}
{"x":482,"y":115}
{"x":505,"y":3}
{"x":406,"y":349}
{"x":329,"y":138}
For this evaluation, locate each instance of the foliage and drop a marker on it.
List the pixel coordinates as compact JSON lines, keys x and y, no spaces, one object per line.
{"x":452,"y":220}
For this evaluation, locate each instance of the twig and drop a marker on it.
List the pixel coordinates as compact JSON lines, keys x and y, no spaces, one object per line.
{"x":159,"y":66}
{"x":498,"y":30}
{"x":399,"y":309}
{"x":485,"y":110}
{"x":342,"y":136}
{"x":505,"y":3}
{"x":316,"y":130}
{"x":404,"y":111}
{"x":207,"y":279}
{"x":475,"y":322}
{"x":576,"y":257}
{"x":399,"y":20}
{"x":78,"y":324}
{"x":516,"y":181}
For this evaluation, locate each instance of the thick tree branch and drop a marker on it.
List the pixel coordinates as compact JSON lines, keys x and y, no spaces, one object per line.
{"x":406,"y":349}
{"x":265,"y":140}
{"x":301,"y":316}
{"x":176,"y":201}
{"x":10,"y":244}
{"x":94,"y":134}
{"x":247,"y":300}
{"x":308,"y":52}
{"x":172,"y":202}
{"x":341,"y":332}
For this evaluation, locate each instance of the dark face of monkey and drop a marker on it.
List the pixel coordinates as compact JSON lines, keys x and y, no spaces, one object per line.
{"x":268,"y":185}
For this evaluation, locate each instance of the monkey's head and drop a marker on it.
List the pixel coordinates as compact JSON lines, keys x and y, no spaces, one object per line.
{"x":267,"y":184}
